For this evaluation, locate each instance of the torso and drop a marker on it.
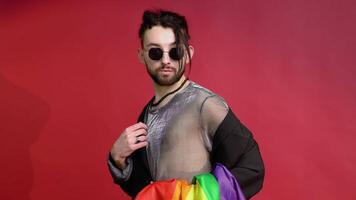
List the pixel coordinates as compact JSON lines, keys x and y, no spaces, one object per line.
{"x":179,"y":145}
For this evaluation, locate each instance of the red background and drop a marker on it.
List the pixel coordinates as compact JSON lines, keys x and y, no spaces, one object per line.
{"x":70,"y":82}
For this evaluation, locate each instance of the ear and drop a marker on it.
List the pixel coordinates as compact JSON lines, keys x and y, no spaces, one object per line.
{"x":191,"y":51}
{"x":141,"y":56}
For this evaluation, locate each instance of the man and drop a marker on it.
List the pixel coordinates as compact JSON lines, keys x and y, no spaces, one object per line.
{"x":185,"y":129}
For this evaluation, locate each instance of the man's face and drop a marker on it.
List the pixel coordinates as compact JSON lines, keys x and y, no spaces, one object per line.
{"x":165,"y":71}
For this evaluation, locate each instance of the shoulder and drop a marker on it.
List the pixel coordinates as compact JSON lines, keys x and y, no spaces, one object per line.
{"x":212,"y":108}
{"x":208,"y":100}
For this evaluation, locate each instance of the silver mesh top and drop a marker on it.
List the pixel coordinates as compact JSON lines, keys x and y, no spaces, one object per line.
{"x":180,"y":133}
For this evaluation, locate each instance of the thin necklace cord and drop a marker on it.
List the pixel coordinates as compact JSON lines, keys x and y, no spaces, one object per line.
{"x":169,"y":93}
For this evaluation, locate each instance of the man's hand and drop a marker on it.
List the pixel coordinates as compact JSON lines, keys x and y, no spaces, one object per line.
{"x":133,"y":138}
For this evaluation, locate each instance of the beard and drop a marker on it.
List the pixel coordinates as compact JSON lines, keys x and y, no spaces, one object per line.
{"x":163,"y":80}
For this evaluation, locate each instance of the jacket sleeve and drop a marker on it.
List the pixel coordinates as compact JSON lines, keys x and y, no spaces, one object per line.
{"x":235,"y":147}
{"x":139,"y":177}
{"x":119,"y":175}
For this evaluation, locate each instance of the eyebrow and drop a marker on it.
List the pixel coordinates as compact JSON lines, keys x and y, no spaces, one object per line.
{"x":158,"y":45}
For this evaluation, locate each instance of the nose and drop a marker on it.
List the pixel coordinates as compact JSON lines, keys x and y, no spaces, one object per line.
{"x":165,"y":58}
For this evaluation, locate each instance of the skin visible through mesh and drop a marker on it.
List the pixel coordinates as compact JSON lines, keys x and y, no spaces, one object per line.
{"x":180,"y":133}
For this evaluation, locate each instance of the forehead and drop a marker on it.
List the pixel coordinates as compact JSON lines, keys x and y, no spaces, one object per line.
{"x":159,"y":35}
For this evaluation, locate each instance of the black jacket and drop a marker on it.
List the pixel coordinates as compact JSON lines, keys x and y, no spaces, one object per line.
{"x":233,"y":146}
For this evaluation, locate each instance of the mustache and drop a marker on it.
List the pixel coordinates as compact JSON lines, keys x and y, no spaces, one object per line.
{"x":163,"y":67}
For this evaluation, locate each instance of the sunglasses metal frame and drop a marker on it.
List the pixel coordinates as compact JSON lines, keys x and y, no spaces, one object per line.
{"x":161,"y":56}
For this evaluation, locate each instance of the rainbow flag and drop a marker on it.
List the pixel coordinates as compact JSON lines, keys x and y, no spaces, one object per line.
{"x":219,"y":184}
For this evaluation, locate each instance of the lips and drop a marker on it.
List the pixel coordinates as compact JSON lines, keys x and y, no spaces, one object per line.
{"x":167,"y":70}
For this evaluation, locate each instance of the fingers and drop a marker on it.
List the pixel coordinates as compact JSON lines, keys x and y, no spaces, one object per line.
{"x":133,"y":138}
{"x":139,"y":145}
{"x":138,"y":140}
{"x":136,"y":126}
{"x":136,"y":143}
{"x":141,"y":138}
{"x":139,"y":132}
{"x":136,"y":133}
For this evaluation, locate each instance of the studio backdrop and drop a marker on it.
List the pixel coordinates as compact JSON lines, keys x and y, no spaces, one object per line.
{"x":70,"y":82}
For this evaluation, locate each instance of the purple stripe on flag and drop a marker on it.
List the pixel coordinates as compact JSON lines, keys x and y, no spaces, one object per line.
{"x":229,"y":187}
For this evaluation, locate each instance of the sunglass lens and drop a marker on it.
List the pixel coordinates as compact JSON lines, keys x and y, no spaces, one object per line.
{"x":174,"y":54}
{"x":155,"y":53}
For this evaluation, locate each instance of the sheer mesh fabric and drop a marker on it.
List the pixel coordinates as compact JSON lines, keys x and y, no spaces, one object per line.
{"x":180,"y":133}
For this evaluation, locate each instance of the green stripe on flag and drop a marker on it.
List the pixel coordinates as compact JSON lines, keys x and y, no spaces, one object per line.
{"x":209,"y":185}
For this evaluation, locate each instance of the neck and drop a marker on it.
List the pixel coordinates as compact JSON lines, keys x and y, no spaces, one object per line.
{"x":160,"y":90}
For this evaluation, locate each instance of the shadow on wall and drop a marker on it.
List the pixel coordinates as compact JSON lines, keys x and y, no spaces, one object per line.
{"x":22,"y":117}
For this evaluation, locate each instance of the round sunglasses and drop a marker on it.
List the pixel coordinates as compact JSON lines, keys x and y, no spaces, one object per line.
{"x":157,"y":53}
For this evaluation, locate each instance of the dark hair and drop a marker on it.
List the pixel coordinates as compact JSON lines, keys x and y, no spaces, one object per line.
{"x":168,"y":19}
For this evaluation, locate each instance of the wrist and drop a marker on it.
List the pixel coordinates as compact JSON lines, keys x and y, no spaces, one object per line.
{"x":121,"y":163}
{"x":118,"y":160}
